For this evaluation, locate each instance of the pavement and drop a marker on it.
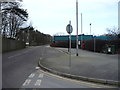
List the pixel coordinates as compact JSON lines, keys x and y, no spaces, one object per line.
{"x":88,"y":66}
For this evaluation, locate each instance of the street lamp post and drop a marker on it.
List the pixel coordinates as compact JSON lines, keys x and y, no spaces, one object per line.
{"x":76,"y":27}
{"x":81,"y":30}
{"x":90,"y":28}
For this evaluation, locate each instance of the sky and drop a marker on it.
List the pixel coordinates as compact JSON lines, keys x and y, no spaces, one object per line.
{"x":52,"y":16}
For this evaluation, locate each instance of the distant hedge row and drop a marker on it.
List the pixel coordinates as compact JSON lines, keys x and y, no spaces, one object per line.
{"x":64,"y":44}
{"x":89,"y":44}
{"x":100,"y":44}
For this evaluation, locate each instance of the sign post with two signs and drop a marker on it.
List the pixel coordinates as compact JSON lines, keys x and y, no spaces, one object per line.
{"x":69,"y":30}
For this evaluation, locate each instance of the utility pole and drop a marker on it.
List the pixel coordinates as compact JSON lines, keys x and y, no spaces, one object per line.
{"x":77,"y":27}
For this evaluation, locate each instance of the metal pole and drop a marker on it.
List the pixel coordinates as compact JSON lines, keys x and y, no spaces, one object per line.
{"x":90,"y":28}
{"x":0,"y":47}
{"x":28,"y":36}
{"x":77,"y":27}
{"x":94,"y":44}
{"x":81,"y":30}
{"x":68,"y":43}
{"x":0,"y":22}
{"x":70,"y":46}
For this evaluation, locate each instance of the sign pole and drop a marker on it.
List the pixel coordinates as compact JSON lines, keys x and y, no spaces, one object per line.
{"x":69,"y":30}
{"x":70,"y":46}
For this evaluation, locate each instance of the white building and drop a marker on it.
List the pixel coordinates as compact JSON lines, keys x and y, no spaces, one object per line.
{"x":119,"y":15}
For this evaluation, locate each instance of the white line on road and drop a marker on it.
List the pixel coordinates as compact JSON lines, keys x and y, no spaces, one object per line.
{"x":19,"y":54}
{"x":14,"y":55}
{"x":38,"y":82}
{"x":41,"y":75}
{"x":27,"y":82}
{"x":32,"y":75}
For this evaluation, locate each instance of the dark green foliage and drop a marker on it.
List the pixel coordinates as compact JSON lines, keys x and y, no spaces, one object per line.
{"x":13,"y":17}
{"x":63,"y":44}
{"x":89,"y":45}
{"x":100,"y":45}
{"x":17,"y":11}
{"x":34,"y":37}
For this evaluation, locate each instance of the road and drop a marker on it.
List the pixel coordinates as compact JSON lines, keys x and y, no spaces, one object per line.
{"x":19,"y":70}
{"x":41,"y":79}
{"x":17,"y":65}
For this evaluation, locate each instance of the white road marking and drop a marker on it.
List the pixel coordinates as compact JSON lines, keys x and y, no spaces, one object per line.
{"x":32,"y":75}
{"x":19,"y":54}
{"x":27,"y":82}
{"x":14,"y":55}
{"x":41,"y":75}
{"x":38,"y":82}
{"x":37,"y":68}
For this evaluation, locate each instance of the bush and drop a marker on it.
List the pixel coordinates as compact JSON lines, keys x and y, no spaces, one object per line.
{"x":89,"y":44}
{"x":100,"y":44}
{"x":64,"y":44}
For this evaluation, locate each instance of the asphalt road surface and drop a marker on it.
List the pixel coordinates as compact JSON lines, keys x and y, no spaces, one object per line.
{"x":41,"y":79}
{"x":19,"y":71}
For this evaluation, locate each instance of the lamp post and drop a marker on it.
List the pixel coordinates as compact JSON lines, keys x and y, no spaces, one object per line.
{"x":81,"y":30}
{"x":90,"y":28}
{"x":76,"y":27}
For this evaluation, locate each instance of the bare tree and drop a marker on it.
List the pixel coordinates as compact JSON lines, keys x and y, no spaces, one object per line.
{"x":13,"y":18}
{"x":113,"y":31}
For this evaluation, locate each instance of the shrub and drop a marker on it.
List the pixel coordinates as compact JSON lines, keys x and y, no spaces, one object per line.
{"x":100,"y":44}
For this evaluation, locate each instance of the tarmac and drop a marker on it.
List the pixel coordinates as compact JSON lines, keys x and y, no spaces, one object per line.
{"x":88,"y":66}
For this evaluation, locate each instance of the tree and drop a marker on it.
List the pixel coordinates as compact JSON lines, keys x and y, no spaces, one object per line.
{"x":13,"y":17}
{"x":113,"y":31}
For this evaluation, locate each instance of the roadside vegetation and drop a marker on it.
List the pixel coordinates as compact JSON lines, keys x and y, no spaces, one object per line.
{"x":100,"y":45}
{"x":14,"y":19}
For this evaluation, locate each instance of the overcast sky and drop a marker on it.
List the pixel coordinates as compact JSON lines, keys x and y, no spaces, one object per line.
{"x":52,"y":16}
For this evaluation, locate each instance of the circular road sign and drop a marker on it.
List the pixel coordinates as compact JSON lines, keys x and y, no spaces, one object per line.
{"x":69,"y":29}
